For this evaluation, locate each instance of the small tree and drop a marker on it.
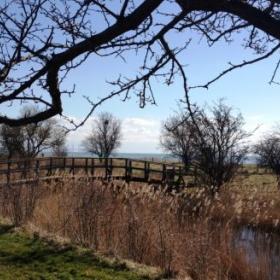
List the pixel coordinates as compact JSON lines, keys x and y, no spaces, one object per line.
{"x":177,"y":138}
{"x":31,"y":140}
{"x":105,"y":136}
{"x":268,"y":152}
{"x":11,"y":141}
{"x":220,"y":144}
{"x":58,"y":145}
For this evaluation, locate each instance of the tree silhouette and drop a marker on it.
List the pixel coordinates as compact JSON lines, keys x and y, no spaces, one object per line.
{"x":221,"y":144}
{"x":177,"y":138}
{"x":105,"y":136}
{"x":30,"y":140}
{"x":213,"y":142}
{"x":268,"y":153}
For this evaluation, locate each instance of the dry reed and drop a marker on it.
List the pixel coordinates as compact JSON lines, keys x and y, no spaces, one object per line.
{"x":183,"y":233}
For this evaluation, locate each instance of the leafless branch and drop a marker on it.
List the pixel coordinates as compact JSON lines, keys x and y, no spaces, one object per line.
{"x":42,"y":41}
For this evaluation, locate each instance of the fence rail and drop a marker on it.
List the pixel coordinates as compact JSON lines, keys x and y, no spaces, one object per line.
{"x":12,"y":171}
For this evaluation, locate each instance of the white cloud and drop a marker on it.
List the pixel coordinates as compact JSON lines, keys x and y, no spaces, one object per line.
{"x":259,"y":125}
{"x":140,"y":130}
{"x":139,"y":135}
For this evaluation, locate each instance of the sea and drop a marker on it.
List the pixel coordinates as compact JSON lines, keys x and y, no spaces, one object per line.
{"x":143,"y":156}
{"x":250,"y":159}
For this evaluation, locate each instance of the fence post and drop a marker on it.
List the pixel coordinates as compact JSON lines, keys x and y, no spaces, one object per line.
{"x":37,"y":168}
{"x":25,"y":169}
{"x":86,"y":167}
{"x":73,"y":166}
{"x":110,"y":167}
{"x":8,"y":173}
{"x":51,"y":166}
{"x":128,"y":170}
{"x":180,"y":176}
{"x":106,"y":168}
{"x":92,"y":167}
{"x":163,"y":173}
{"x":195,"y":174}
{"x":126,"y":167}
{"x":147,"y":171}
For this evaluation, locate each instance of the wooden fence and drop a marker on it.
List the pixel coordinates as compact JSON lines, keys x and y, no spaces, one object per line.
{"x":15,"y":171}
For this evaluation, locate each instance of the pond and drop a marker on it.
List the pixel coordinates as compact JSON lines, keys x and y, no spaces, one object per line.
{"x":261,"y":250}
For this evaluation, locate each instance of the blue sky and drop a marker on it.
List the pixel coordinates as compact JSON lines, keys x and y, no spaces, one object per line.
{"x":247,"y":90}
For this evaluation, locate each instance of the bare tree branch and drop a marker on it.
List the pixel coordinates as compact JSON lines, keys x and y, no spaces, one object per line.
{"x":42,"y":41}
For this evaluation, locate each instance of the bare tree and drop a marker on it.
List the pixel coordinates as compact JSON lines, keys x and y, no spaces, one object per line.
{"x":214,"y":143}
{"x":43,"y":40}
{"x":105,"y":136}
{"x":221,"y":146}
{"x":58,"y":143}
{"x":30,"y":140}
{"x":177,"y":138}
{"x":268,"y":152}
{"x":11,"y":141}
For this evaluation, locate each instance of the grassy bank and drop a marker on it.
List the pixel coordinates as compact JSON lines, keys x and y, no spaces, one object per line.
{"x":22,"y":257}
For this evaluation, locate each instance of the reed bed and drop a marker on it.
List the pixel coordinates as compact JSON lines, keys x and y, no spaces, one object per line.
{"x":185,"y":234}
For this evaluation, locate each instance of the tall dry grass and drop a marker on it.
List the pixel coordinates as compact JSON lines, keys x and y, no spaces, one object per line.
{"x":183,"y":233}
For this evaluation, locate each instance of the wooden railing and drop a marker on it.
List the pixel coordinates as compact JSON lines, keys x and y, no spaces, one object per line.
{"x":16,"y":170}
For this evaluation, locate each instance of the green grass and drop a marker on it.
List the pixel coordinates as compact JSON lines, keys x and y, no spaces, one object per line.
{"x":22,"y":257}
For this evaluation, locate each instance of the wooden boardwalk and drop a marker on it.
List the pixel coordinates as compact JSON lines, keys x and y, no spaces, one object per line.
{"x":24,"y":170}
